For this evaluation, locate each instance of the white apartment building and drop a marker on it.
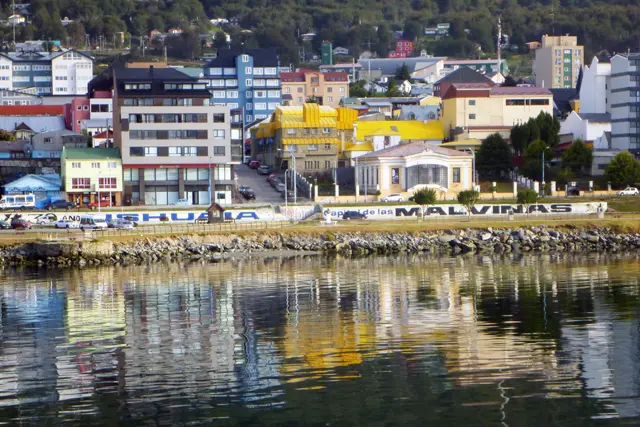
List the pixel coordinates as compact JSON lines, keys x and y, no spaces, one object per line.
{"x":625,"y":102}
{"x":594,"y":90}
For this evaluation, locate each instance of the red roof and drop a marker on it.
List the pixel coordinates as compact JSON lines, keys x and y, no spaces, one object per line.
{"x":103,"y":134}
{"x":506,"y":90}
{"x":32,"y":110}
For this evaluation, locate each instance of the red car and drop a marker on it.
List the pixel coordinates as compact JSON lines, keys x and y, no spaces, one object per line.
{"x":20,"y":223}
{"x":103,"y":204}
{"x":270,"y":178}
{"x":254,"y":164}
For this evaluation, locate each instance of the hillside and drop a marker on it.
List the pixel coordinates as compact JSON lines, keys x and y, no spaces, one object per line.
{"x":354,"y":24}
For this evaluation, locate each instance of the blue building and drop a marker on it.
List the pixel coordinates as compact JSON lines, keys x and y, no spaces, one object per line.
{"x":246,"y":79}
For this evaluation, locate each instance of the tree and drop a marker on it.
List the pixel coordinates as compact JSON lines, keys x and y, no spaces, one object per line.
{"x":527,"y":197}
{"x":578,"y":157}
{"x":7,"y":136}
{"x":403,"y":73}
{"x":519,"y":137}
{"x":509,"y":82}
{"x":311,"y":100}
{"x":392,"y":90}
{"x":549,"y":128}
{"x":412,"y":30}
{"x":468,"y":199}
{"x":220,"y":40}
{"x":425,"y":198}
{"x":493,"y":159}
{"x":533,"y":159}
{"x":623,"y":170}
{"x":384,"y":40}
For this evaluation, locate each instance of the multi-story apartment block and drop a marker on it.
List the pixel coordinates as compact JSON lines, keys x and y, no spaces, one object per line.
{"x":558,"y":62}
{"x":58,"y":73}
{"x":92,"y":174}
{"x":402,"y":50}
{"x":625,"y":102}
{"x":247,"y":79}
{"x":174,"y":143}
{"x":327,"y":88}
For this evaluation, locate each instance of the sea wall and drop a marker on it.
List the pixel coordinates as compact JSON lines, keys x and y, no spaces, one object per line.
{"x":451,"y":242}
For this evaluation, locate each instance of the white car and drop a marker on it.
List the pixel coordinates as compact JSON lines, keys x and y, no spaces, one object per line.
{"x":182,"y":202}
{"x":66,"y":223}
{"x":393,"y":198}
{"x":122,"y":224}
{"x":629,"y":191}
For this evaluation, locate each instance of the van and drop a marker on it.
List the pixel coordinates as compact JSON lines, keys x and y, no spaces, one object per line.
{"x":18,"y":201}
{"x":92,"y":223}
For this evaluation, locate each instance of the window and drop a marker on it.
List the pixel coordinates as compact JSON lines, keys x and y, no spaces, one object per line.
{"x":287,"y":90}
{"x":95,"y":165}
{"x":291,"y":131}
{"x":80,"y":183}
{"x":312,"y":147}
{"x":232,"y":83}
{"x":472,"y":116}
{"x":299,"y":90}
{"x":261,"y":94}
{"x":326,"y":130}
{"x":261,"y":106}
{"x":218,"y":150}
{"x":48,"y":140}
{"x":258,"y":71}
{"x":472,"y":102}
{"x":270,"y":71}
{"x":150,"y":151}
{"x":456,"y":174}
{"x":108,"y":183}
{"x":249,"y":94}
{"x":79,"y":107}
{"x":136,"y":151}
{"x":327,"y":147}
{"x":245,"y":58}
{"x":190,"y":151}
{"x":329,"y":89}
{"x":395,"y":175}
{"x":112,"y":165}
{"x":75,"y":165}
{"x":539,"y":102}
{"x":232,"y":94}
{"x":248,"y":82}
{"x":229,"y":71}
{"x":215,"y":71}
{"x":249,"y":106}
{"x":175,"y":151}
{"x":341,"y":90}
{"x":273,"y":105}
{"x":218,"y":133}
{"x":248,"y":70}
{"x":330,"y":99}
{"x":249,"y":118}
{"x":219,"y":94}
{"x":515,"y":102}
{"x":273,"y":94}
{"x":315,"y":90}
{"x":218,"y":118}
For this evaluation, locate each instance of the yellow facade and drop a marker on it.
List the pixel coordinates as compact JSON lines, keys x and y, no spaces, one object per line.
{"x":87,"y":172}
{"x":316,"y":85}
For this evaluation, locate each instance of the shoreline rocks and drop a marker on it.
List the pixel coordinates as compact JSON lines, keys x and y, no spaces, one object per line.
{"x":211,"y":247}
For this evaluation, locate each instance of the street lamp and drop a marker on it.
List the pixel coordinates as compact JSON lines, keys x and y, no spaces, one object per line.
{"x":210,"y":191}
{"x":295,"y":186}
{"x":473,"y":168}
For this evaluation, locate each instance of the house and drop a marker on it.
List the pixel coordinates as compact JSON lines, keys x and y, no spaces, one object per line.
{"x":476,"y":110}
{"x":49,"y":144}
{"x":408,"y":167}
{"x":155,"y":34}
{"x":65,"y":72}
{"x":374,"y":88}
{"x":427,"y":69}
{"x":248,"y":79}
{"x":479,"y":65}
{"x":44,"y":187}
{"x":20,"y":97}
{"x":307,"y":37}
{"x":327,"y":88}
{"x":419,"y":112}
{"x":353,"y":70}
{"x":27,"y":120}
{"x":403,"y":49}
{"x":103,"y":139}
{"x":91,"y":175}
{"x":533,"y":45}
{"x":340,"y":51}
{"x":498,"y":78}
{"x":66,"y":21}
{"x":16,"y":20}
{"x":174,"y":31}
{"x":173,"y":141}
{"x":460,"y":75}
{"x":405,"y":87}
{"x":19,"y":149}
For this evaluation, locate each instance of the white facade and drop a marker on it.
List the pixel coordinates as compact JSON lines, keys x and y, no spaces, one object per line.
{"x":581,"y":127}
{"x":625,"y":103}
{"x":6,"y":73}
{"x":101,"y":108}
{"x":594,"y":90}
{"x":71,"y":73}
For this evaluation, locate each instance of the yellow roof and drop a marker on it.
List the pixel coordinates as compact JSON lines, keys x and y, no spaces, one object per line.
{"x":430,"y":100}
{"x":384,"y":131}
{"x":471,"y":141}
{"x":305,"y":141}
{"x":409,"y":130}
{"x":364,"y":146}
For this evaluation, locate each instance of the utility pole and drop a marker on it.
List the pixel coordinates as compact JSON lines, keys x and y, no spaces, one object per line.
{"x":542,"y":191}
{"x":13,"y":12}
{"x":499,"y":44}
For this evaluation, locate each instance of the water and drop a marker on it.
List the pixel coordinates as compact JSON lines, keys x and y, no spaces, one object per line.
{"x":410,"y":340}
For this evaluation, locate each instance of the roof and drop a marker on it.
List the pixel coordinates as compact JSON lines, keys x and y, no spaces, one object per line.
{"x":90,"y":153}
{"x":95,"y":123}
{"x":471,"y":142}
{"x":470,"y":61}
{"x":192,"y":71}
{"x":31,"y":110}
{"x":464,"y":75}
{"x":31,"y":56}
{"x":413,"y":148}
{"x":388,"y":66}
{"x":151,"y":74}
{"x":32,"y":182}
{"x":103,"y":134}
{"x":409,"y":130}
{"x":378,"y":104}
{"x":504,"y":90}
{"x":596,"y":117}
{"x":344,"y":65}
{"x":563,"y":97}
{"x":267,"y":57}
{"x":299,"y":76}
{"x":36,"y":123}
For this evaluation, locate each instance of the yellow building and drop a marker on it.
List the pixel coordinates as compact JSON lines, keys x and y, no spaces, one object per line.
{"x":558,"y":62}
{"x":476,"y":110}
{"x":327,"y":88}
{"x":92,"y":174}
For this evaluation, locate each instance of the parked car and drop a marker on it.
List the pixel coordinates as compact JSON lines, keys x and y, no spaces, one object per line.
{"x":280,"y":187}
{"x":264,"y":170}
{"x":19,"y":201}
{"x":60,"y":204}
{"x":182,"y":202}
{"x":122,"y":224}
{"x":393,"y":198}
{"x":46,"y":219}
{"x":243,"y":188}
{"x":249,"y":194}
{"x":353,"y":215}
{"x":254,"y":164}
{"x":629,"y":191}
{"x":102,"y":203}
{"x":20,"y":223}
{"x":4,"y":225}
{"x":573,"y":191}
{"x":247,"y":160}
{"x":275,"y":181}
{"x":91,"y":222}
{"x":66,"y":223}
{"x":271,"y":177}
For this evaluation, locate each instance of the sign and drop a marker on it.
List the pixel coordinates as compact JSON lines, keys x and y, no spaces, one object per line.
{"x":452,"y":210}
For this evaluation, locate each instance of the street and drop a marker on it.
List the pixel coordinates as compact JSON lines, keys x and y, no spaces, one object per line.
{"x":265,"y":194}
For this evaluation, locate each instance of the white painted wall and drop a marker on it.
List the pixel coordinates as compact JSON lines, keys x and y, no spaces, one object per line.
{"x":71,"y":73}
{"x":594,"y":91}
{"x":6,"y":73}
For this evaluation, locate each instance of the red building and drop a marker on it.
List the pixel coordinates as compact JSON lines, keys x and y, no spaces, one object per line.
{"x":402,"y":50}
{"x":76,"y":111}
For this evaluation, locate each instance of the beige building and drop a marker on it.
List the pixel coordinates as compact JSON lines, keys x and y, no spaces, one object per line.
{"x":92,"y":174}
{"x":476,"y":110}
{"x":327,"y":88}
{"x":558,"y":62}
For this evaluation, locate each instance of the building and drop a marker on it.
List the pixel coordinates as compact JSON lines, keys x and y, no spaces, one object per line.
{"x":483,"y":66}
{"x":327,"y":53}
{"x":625,"y":103}
{"x":460,"y":75}
{"x":66,"y":72}
{"x":428,"y":69}
{"x":49,"y":145}
{"x":27,"y":120}
{"x":44,"y":187}
{"x":440,"y":31}
{"x":419,"y":112}
{"x":20,"y":97}
{"x":174,"y":143}
{"x":408,"y":167}
{"x":558,"y":62}
{"x":476,"y":110}
{"x":353,"y":70}
{"x":246,"y":78}
{"x":586,"y":126}
{"x":91,"y":175}
{"x":326,"y":88}
{"x":565,"y":101}
{"x":403,"y":49}
{"x":594,"y":88}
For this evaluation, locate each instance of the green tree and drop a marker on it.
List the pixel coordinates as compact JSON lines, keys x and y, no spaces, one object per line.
{"x":403,"y":73}
{"x":412,"y":30}
{"x":527,"y":197}
{"x":220,"y":40}
{"x":392,"y":90}
{"x":7,"y":136}
{"x":578,"y":157}
{"x":533,"y":159}
{"x":384,"y":40}
{"x":425,"y":197}
{"x":493,"y":159}
{"x":549,"y":128}
{"x":623,"y":170}
{"x":468,"y":199}
{"x":519,"y":137}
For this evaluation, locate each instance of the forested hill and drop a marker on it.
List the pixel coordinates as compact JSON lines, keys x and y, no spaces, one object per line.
{"x":354,"y":24}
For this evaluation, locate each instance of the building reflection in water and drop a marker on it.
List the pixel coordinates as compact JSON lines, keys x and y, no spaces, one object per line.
{"x":246,"y":330}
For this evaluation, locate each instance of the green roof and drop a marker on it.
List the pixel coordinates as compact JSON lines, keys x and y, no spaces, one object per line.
{"x":90,"y":153}
{"x":191,"y":71}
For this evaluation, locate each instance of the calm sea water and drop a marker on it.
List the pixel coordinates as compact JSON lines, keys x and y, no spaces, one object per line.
{"x":410,"y":340}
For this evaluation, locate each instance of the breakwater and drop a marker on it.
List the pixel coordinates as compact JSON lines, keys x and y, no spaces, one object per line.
{"x":212,"y":246}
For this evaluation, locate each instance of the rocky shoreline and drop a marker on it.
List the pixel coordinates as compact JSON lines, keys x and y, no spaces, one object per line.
{"x":212,"y":247}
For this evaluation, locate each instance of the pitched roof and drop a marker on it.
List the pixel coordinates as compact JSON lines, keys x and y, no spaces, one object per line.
{"x":267,"y":57}
{"x":413,"y":148}
{"x":151,"y":73}
{"x":464,"y":75}
{"x":388,"y":66}
{"x":563,"y":97}
{"x":90,"y":153}
{"x":596,"y":117}
{"x":36,"y":123}
{"x":409,"y":130}
{"x":503,"y":90}
{"x":48,"y":182}
{"x":32,"y":110}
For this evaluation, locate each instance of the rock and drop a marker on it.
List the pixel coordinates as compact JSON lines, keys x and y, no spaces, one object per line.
{"x":486,"y":236}
{"x":446,"y":238}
